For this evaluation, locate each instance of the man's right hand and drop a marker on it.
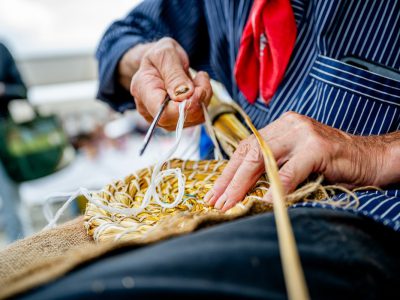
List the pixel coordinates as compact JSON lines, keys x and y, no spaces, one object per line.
{"x":164,"y":68}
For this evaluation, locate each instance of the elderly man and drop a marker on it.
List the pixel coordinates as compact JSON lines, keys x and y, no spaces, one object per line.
{"x":11,"y":87}
{"x":320,"y":79}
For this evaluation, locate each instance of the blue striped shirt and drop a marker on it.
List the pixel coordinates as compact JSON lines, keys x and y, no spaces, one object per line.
{"x":317,"y":82}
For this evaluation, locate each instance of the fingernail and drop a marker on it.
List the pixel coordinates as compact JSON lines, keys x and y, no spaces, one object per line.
{"x":181,"y":90}
{"x":221,"y":201}
{"x":226,"y":206}
{"x":209,"y":195}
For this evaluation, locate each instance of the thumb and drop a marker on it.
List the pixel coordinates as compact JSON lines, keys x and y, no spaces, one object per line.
{"x":171,"y":66}
{"x":177,"y":83}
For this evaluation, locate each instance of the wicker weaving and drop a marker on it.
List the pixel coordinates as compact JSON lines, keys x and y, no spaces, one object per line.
{"x":127,"y":193}
{"x":104,"y":225}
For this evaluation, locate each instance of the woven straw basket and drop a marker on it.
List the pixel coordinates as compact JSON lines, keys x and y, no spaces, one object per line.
{"x":128,"y":193}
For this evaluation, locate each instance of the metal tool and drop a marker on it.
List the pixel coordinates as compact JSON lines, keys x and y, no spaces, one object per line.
{"x":153,"y":125}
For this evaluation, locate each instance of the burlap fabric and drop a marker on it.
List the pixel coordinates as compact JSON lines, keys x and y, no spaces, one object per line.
{"x":34,"y":260}
{"x":50,"y":254}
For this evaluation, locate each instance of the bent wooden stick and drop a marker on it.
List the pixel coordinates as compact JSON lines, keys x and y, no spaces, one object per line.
{"x":292,"y":270}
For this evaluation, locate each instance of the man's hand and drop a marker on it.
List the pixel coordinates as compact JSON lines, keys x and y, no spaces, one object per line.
{"x":164,"y":68}
{"x":302,"y":146}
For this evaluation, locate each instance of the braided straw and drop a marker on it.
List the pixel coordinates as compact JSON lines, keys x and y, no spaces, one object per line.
{"x":200,"y":177}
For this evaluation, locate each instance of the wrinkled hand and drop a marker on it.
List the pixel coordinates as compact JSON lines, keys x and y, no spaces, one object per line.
{"x":301,"y":146}
{"x":164,"y":69}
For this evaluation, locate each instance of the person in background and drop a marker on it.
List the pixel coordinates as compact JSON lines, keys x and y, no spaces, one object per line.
{"x":320,"y":81}
{"x":11,"y":87}
{"x":11,"y":84}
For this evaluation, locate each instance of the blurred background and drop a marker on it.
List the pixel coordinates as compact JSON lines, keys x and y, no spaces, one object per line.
{"x":60,"y":137}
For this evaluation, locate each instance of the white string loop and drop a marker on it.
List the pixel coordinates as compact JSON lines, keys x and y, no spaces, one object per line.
{"x":156,"y":178}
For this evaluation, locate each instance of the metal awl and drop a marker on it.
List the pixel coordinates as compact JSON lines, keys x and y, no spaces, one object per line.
{"x":181,"y":90}
{"x":153,"y":125}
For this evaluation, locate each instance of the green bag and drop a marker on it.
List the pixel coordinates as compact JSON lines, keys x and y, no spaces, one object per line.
{"x":32,"y":149}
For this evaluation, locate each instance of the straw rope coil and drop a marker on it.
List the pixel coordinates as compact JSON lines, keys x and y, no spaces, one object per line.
{"x":128,"y":193}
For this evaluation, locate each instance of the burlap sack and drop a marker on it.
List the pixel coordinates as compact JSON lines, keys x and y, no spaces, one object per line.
{"x":31,"y":261}
{"x":50,"y":254}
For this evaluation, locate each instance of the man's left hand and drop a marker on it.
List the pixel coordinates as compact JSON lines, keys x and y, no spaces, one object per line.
{"x":301,"y":146}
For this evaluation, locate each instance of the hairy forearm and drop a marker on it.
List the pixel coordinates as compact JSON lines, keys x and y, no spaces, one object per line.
{"x":392,"y":141}
{"x":387,"y":148}
{"x":130,"y":62}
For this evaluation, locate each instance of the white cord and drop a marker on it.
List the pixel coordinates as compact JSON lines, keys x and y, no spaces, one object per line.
{"x":156,"y":178}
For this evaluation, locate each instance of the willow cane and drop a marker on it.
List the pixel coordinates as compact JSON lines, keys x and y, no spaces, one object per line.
{"x":230,"y":132}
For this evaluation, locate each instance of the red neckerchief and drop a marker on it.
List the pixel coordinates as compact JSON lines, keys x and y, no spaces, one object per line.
{"x":266,"y":46}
